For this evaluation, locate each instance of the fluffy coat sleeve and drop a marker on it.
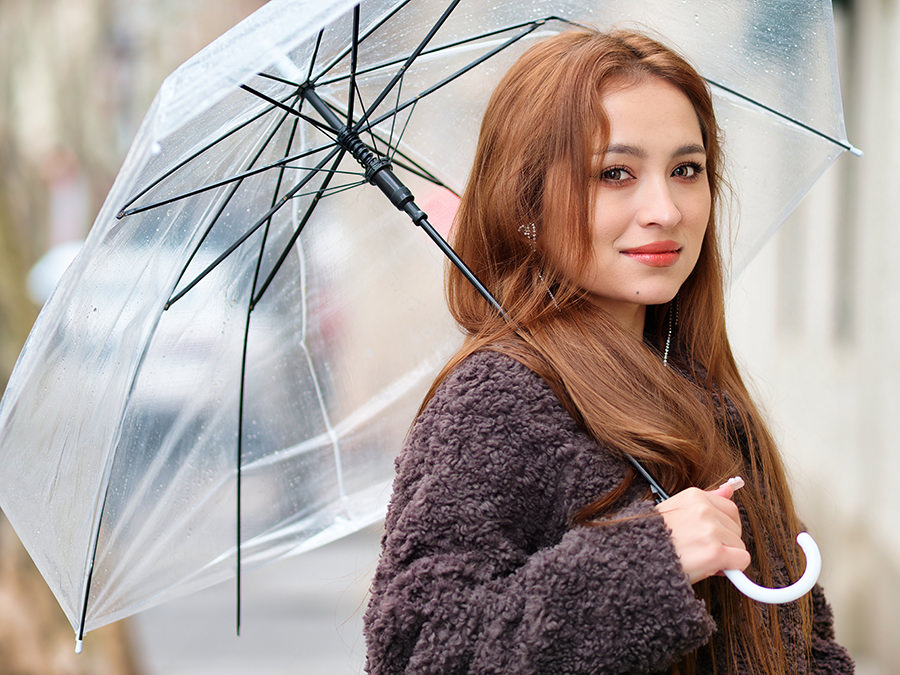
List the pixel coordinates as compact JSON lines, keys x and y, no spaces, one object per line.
{"x":481,"y":570}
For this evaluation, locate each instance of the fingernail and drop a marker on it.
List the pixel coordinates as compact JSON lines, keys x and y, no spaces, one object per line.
{"x":736,"y":483}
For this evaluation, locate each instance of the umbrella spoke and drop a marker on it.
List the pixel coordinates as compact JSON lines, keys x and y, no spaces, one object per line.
{"x":236,"y":178}
{"x":390,"y":139}
{"x":259,"y":223}
{"x":408,"y":163}
{"x":433,"y":50}
{"x":228,"y":199}
{"x":354,"y":60}
{"x":293,"y":240}
{"x":364,"y":125}
{"x":321,"y":192}
{"x":286,"y":108}
{"x":337,"y":189}
{"x":180,"y":165}
{"x":396,"y":146}
{"x":408,"y":62}
{"x":416,"y":170}
{"x":787,"y":118}
{"x":315,"y":54}
{"x":396,"y":83}
{"x":340,"y":57}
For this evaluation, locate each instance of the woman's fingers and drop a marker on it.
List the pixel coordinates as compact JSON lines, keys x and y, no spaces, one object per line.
{"x":706,"y":531}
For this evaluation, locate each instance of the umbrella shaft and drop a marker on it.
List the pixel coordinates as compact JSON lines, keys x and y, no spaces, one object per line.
{"x":380,"y":174}
{"x":378,"y":169}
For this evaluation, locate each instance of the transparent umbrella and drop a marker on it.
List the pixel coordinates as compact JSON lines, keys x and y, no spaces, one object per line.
{"x":226,"y":371}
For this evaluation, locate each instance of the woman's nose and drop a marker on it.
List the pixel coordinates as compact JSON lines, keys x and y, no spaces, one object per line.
{"x":657,"y":205}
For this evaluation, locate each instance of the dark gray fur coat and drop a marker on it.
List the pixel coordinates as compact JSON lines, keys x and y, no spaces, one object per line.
{"x":482,"y":572}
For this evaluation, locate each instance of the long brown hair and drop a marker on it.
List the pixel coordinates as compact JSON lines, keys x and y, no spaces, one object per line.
{"x":692,"y":424}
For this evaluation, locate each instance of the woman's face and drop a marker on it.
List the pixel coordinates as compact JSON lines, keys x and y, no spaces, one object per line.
{"x":651,"y":201}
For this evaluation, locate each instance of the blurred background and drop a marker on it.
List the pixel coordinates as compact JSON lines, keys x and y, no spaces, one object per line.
{"x":810,"y":321}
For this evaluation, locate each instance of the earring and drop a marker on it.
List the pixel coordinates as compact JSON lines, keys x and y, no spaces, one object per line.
{"x":673,"y":320}
{"x":529,"y":231}
{"x":549,"y":291}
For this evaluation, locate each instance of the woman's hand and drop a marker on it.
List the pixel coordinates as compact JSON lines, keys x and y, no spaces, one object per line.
{"x":706,"y":531}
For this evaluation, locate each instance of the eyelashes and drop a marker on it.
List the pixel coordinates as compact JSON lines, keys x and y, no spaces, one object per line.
{"x":688,"y":171}
{"x":615,"y":174}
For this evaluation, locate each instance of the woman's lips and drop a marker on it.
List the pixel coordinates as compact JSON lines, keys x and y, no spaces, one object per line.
{"x":656,"y":254}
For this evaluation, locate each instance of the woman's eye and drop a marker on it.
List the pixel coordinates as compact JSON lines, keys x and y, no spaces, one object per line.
{"x":614,"y":174}
{"x":689,"y":170}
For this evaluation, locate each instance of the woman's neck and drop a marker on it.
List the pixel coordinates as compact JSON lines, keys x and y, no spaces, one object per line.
{"x":629,"y":315}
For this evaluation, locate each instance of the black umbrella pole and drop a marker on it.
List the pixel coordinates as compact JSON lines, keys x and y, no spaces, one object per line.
{"x":380,"y":174}
{"x":401,"y":197}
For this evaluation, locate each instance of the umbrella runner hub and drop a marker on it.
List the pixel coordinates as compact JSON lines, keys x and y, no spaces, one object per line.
{"x":378,"y":170}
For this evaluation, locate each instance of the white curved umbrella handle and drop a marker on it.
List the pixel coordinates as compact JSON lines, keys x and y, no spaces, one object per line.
{"x":777,"y":596}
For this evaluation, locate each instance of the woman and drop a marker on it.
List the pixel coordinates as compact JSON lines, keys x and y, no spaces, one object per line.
{"x":519,"y":539}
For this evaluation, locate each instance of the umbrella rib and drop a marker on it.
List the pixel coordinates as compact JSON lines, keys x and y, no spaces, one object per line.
{"x":529,"y":27}
{"x":408,"y":62}
{"x":236,"y":178}
{"x":306,"y":216}
{"x":90,"y":572}
{"x":240,"y":430}
{"x":124,"y":210}
{"x":435,"y":50}
{"x":227,"y":200}
{"x":843,"y":144}
{"x":311,"y":170}
{"x":410,"y":164}
{"x":354,"y":60}
{"x":315,"y":55}
{"x":96,"y":538}
{"x":278,"y":104}
{"x":365,"y":36}
{"x":259,"y":223}
{"x":363,"y":125}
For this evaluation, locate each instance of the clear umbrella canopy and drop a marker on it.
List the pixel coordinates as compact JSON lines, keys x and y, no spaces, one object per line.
{"x":244,"y":300}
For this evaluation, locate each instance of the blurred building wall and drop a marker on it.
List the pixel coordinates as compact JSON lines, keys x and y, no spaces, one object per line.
{"x":814,"y":321}
{"x":75,"y":79}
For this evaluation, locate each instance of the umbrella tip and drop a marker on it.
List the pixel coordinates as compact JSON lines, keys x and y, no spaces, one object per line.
{"x":855,"y":151}
{"x":79,"y":645}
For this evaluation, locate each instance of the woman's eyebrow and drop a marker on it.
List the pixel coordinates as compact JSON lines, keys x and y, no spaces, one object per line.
{"x":640,"y":153}
{"x":622,"y":149}
{"x":692,"y":149}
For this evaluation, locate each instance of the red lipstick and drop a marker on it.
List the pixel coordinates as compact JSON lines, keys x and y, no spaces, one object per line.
{"x":655,"y":254}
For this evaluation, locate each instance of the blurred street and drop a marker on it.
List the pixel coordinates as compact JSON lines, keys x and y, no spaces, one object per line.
{"x":301,"y":616}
